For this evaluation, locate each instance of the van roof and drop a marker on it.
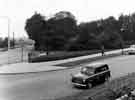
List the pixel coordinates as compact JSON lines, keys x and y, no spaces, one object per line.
{"x":95,"y":65}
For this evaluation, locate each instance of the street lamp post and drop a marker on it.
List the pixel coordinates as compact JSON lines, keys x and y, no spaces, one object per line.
{"x":8,"y":34}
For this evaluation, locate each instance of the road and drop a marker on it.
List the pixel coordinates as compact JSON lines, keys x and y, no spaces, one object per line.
{"x":51,"y":85}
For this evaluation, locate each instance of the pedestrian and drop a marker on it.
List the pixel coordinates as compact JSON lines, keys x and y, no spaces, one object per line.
{"x":102,"y":50}
{"x":29,"y":56}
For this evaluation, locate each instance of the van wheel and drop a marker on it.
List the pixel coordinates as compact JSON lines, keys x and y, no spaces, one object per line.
{"x":89,"y":85}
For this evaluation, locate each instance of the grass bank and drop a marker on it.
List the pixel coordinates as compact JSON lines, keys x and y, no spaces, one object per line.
{"x":107,"y":91}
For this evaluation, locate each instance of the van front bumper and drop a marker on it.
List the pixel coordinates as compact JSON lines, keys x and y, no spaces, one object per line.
{"x":80,"y":85}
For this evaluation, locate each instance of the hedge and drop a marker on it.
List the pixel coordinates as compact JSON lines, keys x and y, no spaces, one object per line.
{"x":59,"y":56}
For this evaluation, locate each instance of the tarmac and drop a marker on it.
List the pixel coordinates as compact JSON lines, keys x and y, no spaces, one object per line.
{"x":25,"y":67}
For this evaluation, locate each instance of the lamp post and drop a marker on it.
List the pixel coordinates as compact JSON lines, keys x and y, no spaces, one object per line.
{"x":8,"y":33}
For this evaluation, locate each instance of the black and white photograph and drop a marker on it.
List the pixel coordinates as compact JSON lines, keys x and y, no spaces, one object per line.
{"x":67,"y":50}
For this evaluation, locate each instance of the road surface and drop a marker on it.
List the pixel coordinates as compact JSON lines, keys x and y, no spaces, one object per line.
{"x":51,"y":85}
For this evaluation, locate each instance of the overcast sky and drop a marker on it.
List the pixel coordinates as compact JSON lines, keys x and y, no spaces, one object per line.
{"x":17,"y":11}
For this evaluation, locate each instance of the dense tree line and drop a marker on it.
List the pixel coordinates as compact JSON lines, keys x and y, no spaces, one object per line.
{"x":61,"y":32}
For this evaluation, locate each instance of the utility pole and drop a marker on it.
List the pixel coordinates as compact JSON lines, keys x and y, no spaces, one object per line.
{"x":13,"y":40}
{"x":22,"y":54}
{"x":22,"y":47}
{"x":8,"y":38}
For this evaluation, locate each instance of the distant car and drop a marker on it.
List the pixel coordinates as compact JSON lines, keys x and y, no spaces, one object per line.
{"x":132,"y":50}
{"x":91,"y":74}
{"x":132,"y":46}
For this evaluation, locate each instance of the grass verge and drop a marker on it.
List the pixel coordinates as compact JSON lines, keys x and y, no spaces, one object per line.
{"x":59,"y":55}
{"x":84,"y":61}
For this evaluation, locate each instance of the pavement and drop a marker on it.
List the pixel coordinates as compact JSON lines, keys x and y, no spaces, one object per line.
{"x":25,"y":67}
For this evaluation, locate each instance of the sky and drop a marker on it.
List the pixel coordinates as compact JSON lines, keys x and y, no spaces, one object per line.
{"x":13,"y":13}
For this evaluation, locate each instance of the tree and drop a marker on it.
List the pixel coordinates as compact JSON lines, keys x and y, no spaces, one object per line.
{"x":63,"y":27}
{"x":86,"y":37}
{"x":2,"y":44}
{"x":127,"y":24}
{"x":34,"y":26}
{"x":110,"y":40}
{"x":51,"y":34}
{"x":111,"y":24}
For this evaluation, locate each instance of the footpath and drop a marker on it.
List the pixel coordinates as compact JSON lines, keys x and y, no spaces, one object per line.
{"x":25,"y":67}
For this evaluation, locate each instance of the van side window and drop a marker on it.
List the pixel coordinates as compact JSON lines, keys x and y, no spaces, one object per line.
{"x":102,"y":68}
{"x":98,"y":70}
{"x":106,"y":67}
